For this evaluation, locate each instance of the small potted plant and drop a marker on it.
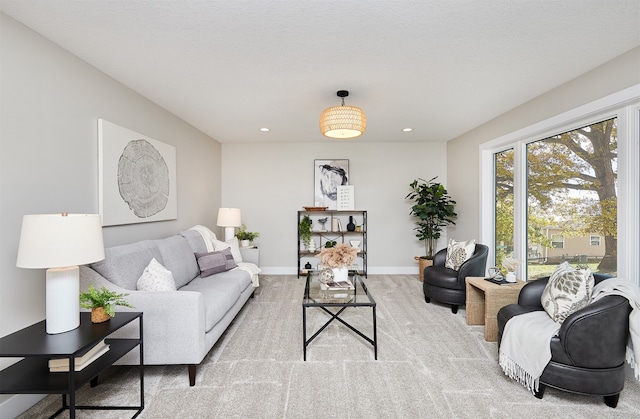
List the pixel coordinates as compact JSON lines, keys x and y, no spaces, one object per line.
{"x":305,"y":231}
{"x":511,"y":265}
{"x":246,"y":237}
{"x":102,"y":303}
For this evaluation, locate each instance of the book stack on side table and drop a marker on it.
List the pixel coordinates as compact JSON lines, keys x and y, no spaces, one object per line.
{"x":62,"y":364}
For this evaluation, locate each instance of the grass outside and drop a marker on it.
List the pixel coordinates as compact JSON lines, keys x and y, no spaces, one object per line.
{"x":538,"y":271}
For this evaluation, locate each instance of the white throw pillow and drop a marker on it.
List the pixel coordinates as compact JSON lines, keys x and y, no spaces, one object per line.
{"x":156,"y":277}
{"x":458,"y":253}
{"x":229,"y":244}
{"x":568,"y":290}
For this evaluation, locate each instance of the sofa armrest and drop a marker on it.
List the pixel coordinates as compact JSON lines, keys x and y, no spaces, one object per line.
{"x":251,"y":255}
{"x":596,"y":335}
{"x":532,"y":291}
{"x":170,"y":319}
{"x":476,"y":265}
{"x":440,"y":257}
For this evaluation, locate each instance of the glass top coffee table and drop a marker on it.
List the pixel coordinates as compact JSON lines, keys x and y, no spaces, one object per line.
{"x":334,"y":302}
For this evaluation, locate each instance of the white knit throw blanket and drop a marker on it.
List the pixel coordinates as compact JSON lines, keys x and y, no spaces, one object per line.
{"x":525,"y":348}
{"x":209,"y":236}
{"x":627,"y":289}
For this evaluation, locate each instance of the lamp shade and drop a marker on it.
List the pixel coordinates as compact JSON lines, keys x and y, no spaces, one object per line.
{"x":343,"y":122}
{"x":229,"y":217}
{"x":60,"y":240}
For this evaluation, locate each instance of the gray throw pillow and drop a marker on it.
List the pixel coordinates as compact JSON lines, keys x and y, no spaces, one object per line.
{"x":215,"y":262}
{"x":568,"y":290}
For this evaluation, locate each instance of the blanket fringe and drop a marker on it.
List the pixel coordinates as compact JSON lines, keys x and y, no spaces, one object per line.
{"x":516,"y":372}
{"x":631,"y":360}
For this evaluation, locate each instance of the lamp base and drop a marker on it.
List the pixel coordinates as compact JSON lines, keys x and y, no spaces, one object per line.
{"x":229,"y":233}
{"x":63,"y":299}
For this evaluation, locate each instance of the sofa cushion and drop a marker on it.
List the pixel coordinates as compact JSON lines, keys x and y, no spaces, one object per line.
{"x":156,"y":278}
{"x":123,"y":265}
{"x":195,"y":240}
{"x":215,"y":262}
{"x":458,"y":253}
{"x":178,"y":258}
{"x":568,"y":290}
{"x":229,"y":244}
{"x":219,"y":293}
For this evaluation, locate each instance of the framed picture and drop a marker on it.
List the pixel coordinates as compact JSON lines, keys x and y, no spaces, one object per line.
{"x":328,"y":175}
{"x":137,"y":177}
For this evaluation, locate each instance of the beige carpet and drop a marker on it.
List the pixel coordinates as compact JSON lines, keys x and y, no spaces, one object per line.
{"x":430,"y":365}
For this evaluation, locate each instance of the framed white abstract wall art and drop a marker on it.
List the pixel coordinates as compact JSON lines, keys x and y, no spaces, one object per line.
{"x":137,"y":177}
{"x":328,"y":175}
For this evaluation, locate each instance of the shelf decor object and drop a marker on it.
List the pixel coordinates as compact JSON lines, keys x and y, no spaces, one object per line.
{"x":229,"y":218}
{"x":324,"y":239}
{"x":59,"y":243}
{"x":343,"y":122}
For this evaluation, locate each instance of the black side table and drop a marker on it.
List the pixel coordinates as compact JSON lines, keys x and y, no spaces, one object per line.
{"x":31,"y":375}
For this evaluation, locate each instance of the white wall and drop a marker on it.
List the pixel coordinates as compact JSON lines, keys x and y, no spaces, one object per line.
{"x":50,"y":103}
{"x":271,"y":182}
{"x":463,"y":152}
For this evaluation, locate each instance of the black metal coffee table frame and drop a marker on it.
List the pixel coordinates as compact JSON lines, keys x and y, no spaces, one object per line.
{"x":323,"y":299}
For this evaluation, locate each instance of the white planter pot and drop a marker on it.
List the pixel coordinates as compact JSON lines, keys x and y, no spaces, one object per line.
{"x":510,"y":277}
{"x":245,"y":243}
{"x":340,"y":274}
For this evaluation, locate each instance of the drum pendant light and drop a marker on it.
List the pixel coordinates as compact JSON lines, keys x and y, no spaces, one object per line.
{"x":343,"y":122}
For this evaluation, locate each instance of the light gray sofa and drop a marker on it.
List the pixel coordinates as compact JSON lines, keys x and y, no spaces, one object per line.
{"x":180,"y":327}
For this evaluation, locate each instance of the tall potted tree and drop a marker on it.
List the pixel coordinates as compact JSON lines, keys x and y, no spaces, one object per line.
{"x":434,"y":209}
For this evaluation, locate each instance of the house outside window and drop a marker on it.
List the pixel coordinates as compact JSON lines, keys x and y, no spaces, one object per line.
{"x":594,"y":240}
{"x":557,"y":241}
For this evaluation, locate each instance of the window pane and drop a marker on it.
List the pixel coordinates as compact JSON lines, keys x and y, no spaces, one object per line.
{"x":572,"y":200}
{"x":503,"y":163}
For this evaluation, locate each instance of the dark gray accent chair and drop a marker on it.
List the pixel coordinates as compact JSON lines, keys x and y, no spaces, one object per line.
{"x":448,"y":286}
{"x":588,"y":355}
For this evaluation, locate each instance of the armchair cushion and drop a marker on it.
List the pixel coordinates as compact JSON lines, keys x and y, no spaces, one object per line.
{"x":567,"y":291}
{"x":458,"y":253}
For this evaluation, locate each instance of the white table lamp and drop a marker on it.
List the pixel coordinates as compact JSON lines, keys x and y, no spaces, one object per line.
{"x":229,"y":218}
{"x":59,"y":243}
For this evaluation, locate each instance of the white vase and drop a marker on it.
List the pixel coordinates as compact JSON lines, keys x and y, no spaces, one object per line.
{"x":510,"y":277}
{"x":340,"y":274}
{"x":355,"y":243}
{"x":312,"y":246}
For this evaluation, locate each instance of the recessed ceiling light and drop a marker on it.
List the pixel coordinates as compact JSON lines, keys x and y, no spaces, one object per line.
{"x":407,"y":129}
{"x":264,"y":129}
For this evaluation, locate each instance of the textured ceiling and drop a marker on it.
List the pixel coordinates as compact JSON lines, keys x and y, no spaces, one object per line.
{"x":441,"y":67}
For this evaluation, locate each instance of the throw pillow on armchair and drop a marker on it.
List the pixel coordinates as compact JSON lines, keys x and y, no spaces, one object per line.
{"x":458,"y":253}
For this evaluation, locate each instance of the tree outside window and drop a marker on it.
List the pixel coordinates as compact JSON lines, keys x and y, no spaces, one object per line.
{"x":571,"y":182}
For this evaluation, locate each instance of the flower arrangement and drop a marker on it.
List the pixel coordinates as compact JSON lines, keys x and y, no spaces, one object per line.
{"x":338,"y":256}
{"x":510,"y":264}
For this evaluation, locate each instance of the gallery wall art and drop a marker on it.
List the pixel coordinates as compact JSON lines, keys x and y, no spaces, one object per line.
{"x":328,"y":176}
{"x":137,"y":180}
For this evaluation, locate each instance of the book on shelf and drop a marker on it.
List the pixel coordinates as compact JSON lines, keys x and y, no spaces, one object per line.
{"x":62,"y":364}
